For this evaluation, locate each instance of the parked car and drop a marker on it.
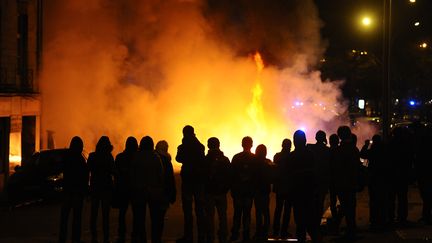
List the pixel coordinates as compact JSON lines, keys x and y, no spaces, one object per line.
{"x":41,"y":177}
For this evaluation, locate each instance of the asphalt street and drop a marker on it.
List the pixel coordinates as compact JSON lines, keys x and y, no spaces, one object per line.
{"x":38,"y":222}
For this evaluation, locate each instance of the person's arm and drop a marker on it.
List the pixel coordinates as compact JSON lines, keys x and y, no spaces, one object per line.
{"x":180,"y":154}
{"x":364,"y":152}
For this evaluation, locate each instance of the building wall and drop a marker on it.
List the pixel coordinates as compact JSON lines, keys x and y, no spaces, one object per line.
{"x":20,"y":38}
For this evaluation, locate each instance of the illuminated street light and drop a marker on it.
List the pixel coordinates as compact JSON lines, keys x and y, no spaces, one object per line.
{"x":366,"y":21}
{"x":423,"y":45}
{"x":417,"y":23}
{"x":412,"y":1}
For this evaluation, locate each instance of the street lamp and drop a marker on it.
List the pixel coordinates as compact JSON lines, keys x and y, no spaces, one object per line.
{"x":386,"y":84}
{"x":366,"y":21}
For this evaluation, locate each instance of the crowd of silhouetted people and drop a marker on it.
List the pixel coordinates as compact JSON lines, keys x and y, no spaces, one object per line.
{"x":142,"y":176}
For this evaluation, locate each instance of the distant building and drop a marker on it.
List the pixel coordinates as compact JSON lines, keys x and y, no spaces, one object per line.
{"x":20,"y":103}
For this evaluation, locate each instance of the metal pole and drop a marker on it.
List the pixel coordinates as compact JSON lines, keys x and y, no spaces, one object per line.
{"x":386,"y":77}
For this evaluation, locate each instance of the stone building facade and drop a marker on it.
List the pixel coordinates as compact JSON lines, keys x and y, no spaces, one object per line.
{"x":20,"y":103}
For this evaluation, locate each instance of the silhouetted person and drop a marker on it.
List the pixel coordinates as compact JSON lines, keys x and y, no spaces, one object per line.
{"x":75,"y":188}
{"x":122,"y":184}
{"x":322,"y":166}
{"x":334,"y":144}
{"x":378,"y":188}
{"x":170,"y":190}
{"x":283,"y":204}
{"x":102,"y":170}
{"x":191,"y":155}
{"x":300,"y":184}
{"x":401,"y":157}
{"x":147,"y":188}
{"x":345,"y":175}
{"x":423,"y":167}
{"x":262,"y":194}
{"x":244,"y":171}
{"x":216,"y":187}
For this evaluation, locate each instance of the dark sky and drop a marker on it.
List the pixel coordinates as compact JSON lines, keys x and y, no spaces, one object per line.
{"x":343,"y":31}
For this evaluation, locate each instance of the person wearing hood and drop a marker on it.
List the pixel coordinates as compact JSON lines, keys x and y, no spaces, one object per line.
{"x":75,"y":182}
{"x":147,"y":188}
{"x":216,"y":187}
{"x":102,"y":171}
{"x":264,"y":179}
{"x":122,"y":184}
{"x":169,"y":186}
{"x":192,"y":157}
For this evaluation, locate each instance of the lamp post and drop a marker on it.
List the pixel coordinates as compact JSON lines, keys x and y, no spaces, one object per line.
{"x":386,"y":76}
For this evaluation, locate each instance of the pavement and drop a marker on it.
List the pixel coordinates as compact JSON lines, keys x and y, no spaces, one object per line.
{"x":38,"y":222}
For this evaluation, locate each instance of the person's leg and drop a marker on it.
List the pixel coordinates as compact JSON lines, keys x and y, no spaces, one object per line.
{"x":277,"y":214}
{"x":106,"y":206}
{"x":157,"y":213}
{"x":122,"y":223}
{"x":210,"y":212}
{"x":64,"y":217}
{"x":247,"y":207}
{"x":287,"y":205}
{"x":187,"y":199}
{"x":199,"y":199}
{"x":259,"y":207}
{"x":221,"y":206}
{"x":237,"y":215}
{"x":350,"y":213}
{"x":139,"y":216}
{"x":299,"y":219}
{"x":77,"y":217}
{"x":266,"y":216}
{"x":95,"y":199}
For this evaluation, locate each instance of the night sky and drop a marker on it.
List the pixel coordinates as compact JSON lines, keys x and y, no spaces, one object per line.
{"x":343,"y":32}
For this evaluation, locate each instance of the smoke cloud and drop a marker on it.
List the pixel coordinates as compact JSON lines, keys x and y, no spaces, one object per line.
{"x":135,"y":68}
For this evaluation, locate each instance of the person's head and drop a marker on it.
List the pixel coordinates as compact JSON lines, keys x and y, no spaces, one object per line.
{"x":299,"y":139}
{"x":261,"y":151}
{"x":334,"y":140}
{"x":321,"y":137}
{"x":188,"y":131}
{"x":131,"y":144}
{"x":286,"y":145}
{"x":247,"y":143}
{"x":146,"y":144}
{"x":76,"y":145}
{"x":344,"y":133}
{"x":213,"y":143}
{"x":376,"y":139}
{"x":104,"y":145}
{"x":162,"y":146}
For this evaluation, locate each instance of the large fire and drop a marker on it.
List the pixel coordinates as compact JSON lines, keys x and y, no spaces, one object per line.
{"x":152,"y":67}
